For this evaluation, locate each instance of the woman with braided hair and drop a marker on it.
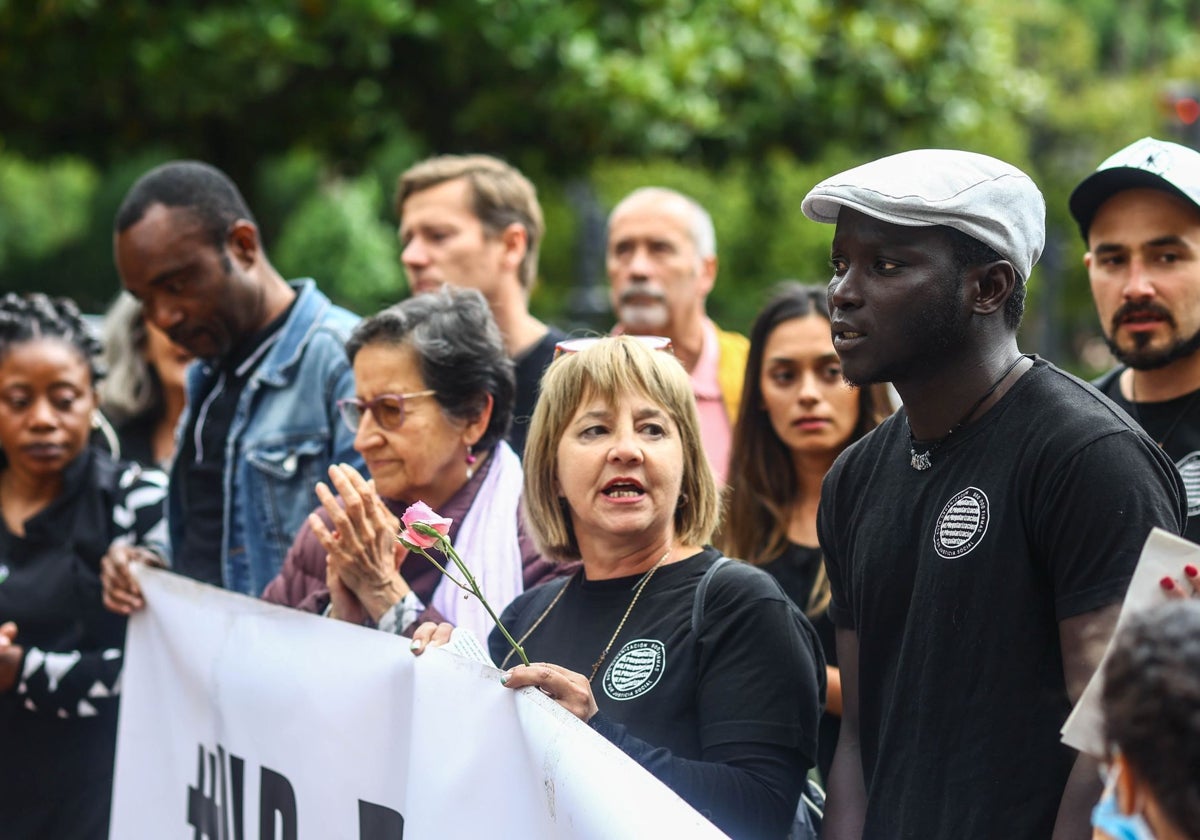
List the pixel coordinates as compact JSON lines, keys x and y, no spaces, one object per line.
{"x":63,"y":506}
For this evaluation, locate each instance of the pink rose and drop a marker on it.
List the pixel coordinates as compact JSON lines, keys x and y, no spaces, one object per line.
{"x":425,"y":515}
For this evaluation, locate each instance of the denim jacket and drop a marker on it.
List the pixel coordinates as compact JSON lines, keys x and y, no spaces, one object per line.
{"x":283,"y":438}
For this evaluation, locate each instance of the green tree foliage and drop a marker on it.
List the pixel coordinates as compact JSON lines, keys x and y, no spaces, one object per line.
{"x":315,"y":106}
{"x":551,"y":83}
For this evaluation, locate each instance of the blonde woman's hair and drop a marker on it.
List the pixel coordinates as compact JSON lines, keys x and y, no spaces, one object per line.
{"x":610,"y":370}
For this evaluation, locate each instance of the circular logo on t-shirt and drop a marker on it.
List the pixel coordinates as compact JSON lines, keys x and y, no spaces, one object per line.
{"x":1189,"y":469}
{"x":635,"y":669}
{"x":961,"y":524}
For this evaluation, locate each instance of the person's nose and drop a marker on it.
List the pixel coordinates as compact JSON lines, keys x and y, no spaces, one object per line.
{"x":844,"y":291}
{"x":162,"y":314}
{"x":369,"y":434}
{"x":414,"y":254}
{"x":810,"y":392}
{"x":641,"y":267}
{"x":1138,"y":285}
{"x":626,"y":448}
{"x":42,"y":414}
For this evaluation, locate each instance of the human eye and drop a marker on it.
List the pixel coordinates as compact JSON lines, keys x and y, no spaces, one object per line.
{"x":839,"y":266}
{"x":15,"y":400}
{"x":832,"y":373}
{"x":654,"y":429}
{"x":64,"y":401}
{"x":593,"y":431}
{"x":885,"y":266}
{"x":782,"y":376}
{"x":389,"y":411}
{"x":622,"y":249}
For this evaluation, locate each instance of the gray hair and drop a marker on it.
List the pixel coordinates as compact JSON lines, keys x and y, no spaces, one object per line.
{"x":459,"y":350}
{"x":131,"y":386}
{"x":699,"y":222}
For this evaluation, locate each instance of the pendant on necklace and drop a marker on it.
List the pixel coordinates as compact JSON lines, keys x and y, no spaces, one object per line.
{"x":920,"y":460}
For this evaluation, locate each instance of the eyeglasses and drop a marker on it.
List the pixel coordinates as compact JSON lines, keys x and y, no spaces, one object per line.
{"x":388,"y":409}
{"x":575,"y":345}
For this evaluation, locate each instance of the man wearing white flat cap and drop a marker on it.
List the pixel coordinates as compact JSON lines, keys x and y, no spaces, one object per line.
{"x":979,"y":542}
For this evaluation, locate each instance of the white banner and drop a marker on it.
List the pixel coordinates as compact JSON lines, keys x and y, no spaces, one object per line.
{"x":241,"y":720}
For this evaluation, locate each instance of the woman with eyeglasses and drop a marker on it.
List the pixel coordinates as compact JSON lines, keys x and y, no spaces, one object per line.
{"x":434,"y":400}
{"x":64,"y":505}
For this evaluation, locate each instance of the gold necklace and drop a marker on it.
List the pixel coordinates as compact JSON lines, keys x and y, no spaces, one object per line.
{"x":637,"y":594}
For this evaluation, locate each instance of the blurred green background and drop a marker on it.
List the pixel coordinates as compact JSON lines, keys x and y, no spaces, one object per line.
{"x":316,"y":106}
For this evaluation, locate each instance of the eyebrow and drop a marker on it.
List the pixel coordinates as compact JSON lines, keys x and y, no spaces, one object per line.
{"x":169,"y":275}
{"x":1159,"y":242}
{"x":605,"y":414}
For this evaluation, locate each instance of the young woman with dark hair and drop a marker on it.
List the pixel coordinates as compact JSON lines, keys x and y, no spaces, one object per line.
{"x":63,"y":506}
{"x":797,"y":415}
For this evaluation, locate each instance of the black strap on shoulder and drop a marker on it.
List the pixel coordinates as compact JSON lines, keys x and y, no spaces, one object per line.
{"x":1102,"y":382}
{"x":702,"y":590}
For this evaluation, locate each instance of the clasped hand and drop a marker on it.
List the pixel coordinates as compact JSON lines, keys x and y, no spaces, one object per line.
{"x":363,"y":558}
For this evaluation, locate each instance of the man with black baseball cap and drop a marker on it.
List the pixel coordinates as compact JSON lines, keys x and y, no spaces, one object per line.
{"x":1139,"y":214}
{"x":980,"y":540}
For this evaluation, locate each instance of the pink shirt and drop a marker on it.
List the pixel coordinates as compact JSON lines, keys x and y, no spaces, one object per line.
{"x":715,"y":427}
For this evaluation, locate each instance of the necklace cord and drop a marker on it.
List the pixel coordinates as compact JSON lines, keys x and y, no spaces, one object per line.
{"x":1137,"y":411}
{"x":921,"y":460}
{"x":641,"y":584}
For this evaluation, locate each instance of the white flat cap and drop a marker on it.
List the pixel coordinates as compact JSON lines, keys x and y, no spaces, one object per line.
{"x":985,"y":198}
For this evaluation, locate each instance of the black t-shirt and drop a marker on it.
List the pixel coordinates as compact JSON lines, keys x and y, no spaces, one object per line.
{"x":796,"y":570}
{"x":202,"y":452}
{"x":955,"y":580}
{"x":748,"y":683}
{"x":1175,"y":426}
{"x":529,"y":367}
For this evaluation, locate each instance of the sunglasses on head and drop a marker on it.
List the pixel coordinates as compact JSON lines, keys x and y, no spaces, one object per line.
{"x":388,"y":409}
{"x":575,"y":345}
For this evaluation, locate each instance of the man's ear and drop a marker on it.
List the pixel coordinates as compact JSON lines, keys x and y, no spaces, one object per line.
{"x":1087,"y":260}
{"x":516,"y":245}
{"x":708,"y":274}
{"x":243,"y":243}
{"x":994,"y":285}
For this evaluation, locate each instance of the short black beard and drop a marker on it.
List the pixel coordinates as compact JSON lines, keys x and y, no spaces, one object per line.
{"x":1139,"y":359}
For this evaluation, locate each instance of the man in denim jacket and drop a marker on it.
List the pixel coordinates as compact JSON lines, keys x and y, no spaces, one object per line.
{"x":261,"y":426}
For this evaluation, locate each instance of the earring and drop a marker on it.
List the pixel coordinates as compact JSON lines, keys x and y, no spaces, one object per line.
{"x":471,"y":459}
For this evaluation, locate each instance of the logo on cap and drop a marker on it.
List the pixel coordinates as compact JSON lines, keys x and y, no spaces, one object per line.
{"x":961,"y":524}
{"x":1157,"y":161}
